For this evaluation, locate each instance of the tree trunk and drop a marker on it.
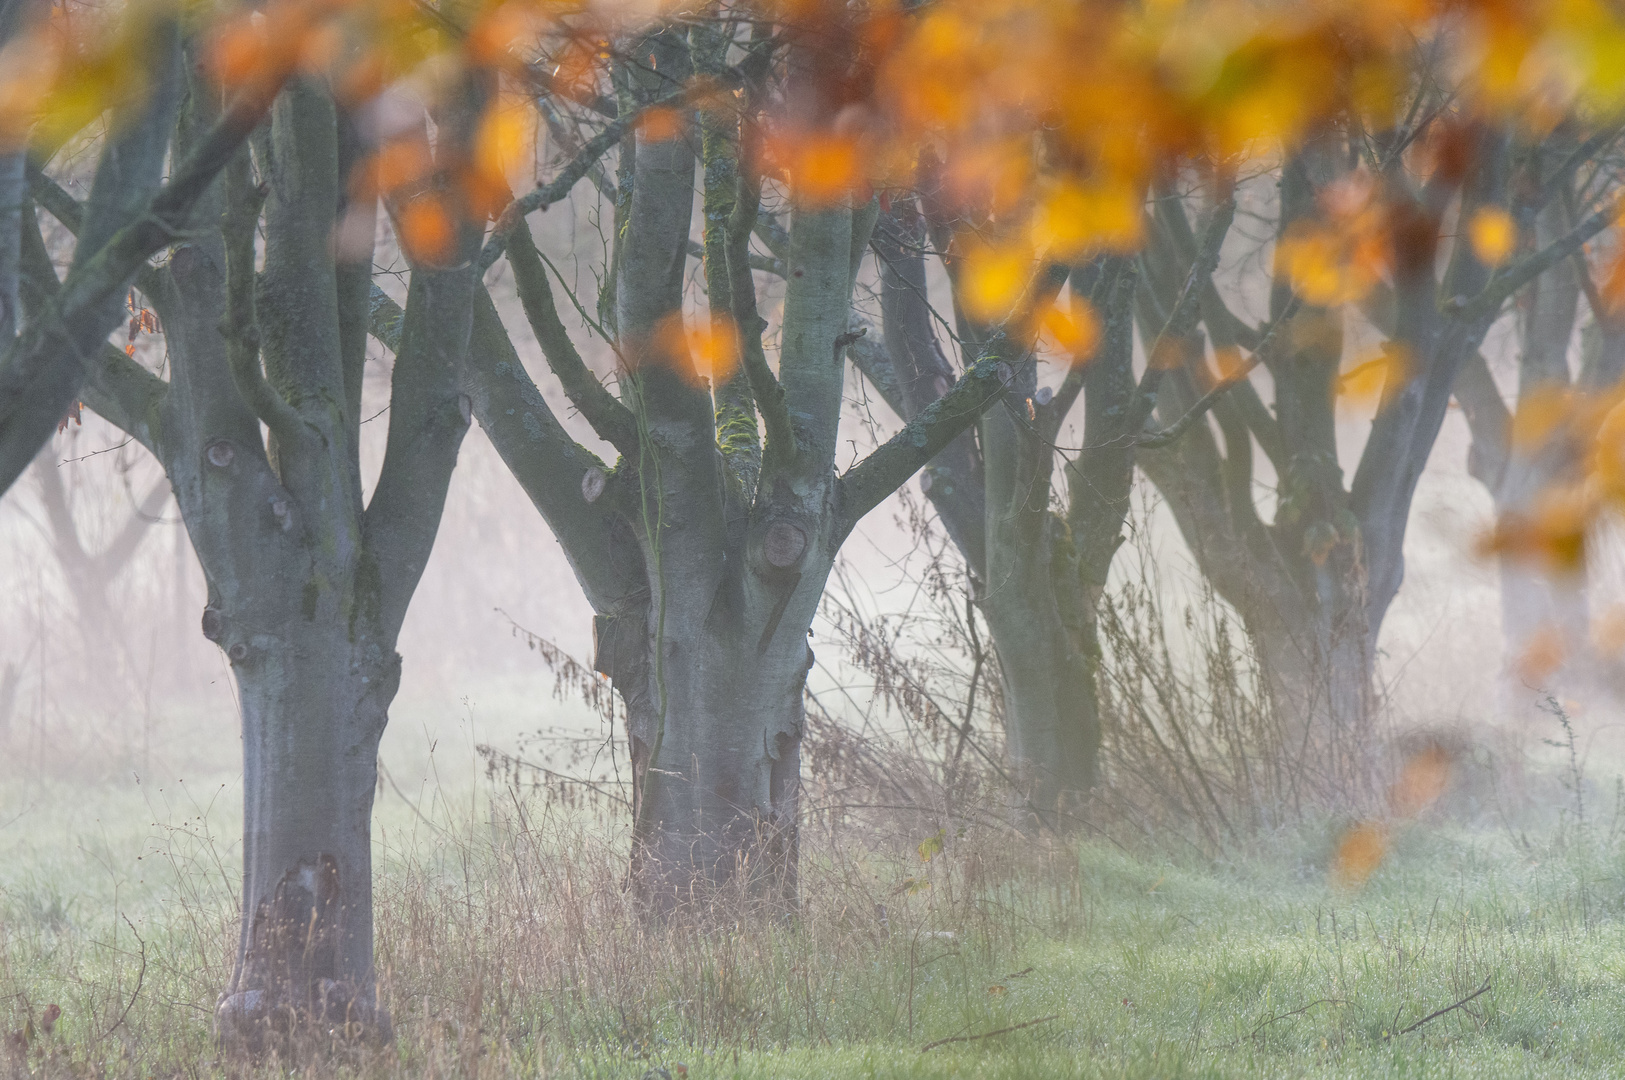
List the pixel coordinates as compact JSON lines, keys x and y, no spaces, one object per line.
{"x":1051,"y":715}
{"x":716,"y":714}
{"x":313,"y":710}
{"x":1320,"y":666}
{"x":718,"y":808}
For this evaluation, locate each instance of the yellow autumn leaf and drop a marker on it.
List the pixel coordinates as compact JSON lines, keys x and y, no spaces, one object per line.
{"x":931,"y":846}
{"x":1365,"y":383}
{"x":1541,"y":412}
{"x":1075,"y":218}
{"x":991,"y":281}
{"x":1493,"y":235}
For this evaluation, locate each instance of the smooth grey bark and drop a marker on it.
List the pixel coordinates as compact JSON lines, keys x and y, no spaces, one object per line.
{"x":13,"y":189}
{"x":705,"y":549}
{"x":15,"y":16}
{"x":307,"y":585}
{"x":1536,"y":600}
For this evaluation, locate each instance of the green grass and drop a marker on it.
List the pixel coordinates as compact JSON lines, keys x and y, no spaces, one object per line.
{"x":508,"y":949}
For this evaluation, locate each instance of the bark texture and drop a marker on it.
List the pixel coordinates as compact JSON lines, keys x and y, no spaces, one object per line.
{"x":705,"y":548}
{"x":308,"y":583}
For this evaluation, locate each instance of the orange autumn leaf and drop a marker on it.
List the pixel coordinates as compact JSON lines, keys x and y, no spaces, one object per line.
{"x":321,"y":49}
{"x":1612,"y":286}
{"x":1076,"y":332}
{"x":1421,"y":782}
{"x":238,"y":52}
{"x":497,"y":32}
{"x":1542,"y":655}
{"x":1608,"y":631}
{"x":397,"y":165}
{"x":1605,"y":460}
{"x":824,"y":167}
{"x":659,"y":124}
{"x":1230,"y":364}
{"x":1359,"y":852}
{"x":697,"y":352}
{"x":714,"y":346}
{"x":1551,"y":535}
{"x":426,"y":229}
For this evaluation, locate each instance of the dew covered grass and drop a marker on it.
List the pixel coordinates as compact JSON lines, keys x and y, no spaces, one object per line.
{"x":507,"y":947}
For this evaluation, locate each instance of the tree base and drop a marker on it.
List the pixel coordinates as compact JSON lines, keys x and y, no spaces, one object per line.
{"x":260,"y":1023}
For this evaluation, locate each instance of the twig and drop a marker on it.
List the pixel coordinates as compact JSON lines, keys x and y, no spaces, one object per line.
{"x":1286,"y":1015}
{"x":989,"y":1034}
{"x":140,"y":978}
{"x":1440,"y":1012}
{"x":1152,"y":440}
{"x":397,"y":789}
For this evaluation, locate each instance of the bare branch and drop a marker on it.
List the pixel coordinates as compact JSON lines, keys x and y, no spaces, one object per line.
{"x":42,"y":371}
{"x":862,"y":487}
{"x":780,"y":439}
{"x":428,"y":417}
{"x":572,"y":488}
{"x":1152,"y":440}
{"x":1487,"y":304}
{"x":1187,"y":308}
{"x":241,"y":326}
{"x":868,"y":355}
{"x":116,"y":387}
{"x":612,"y":420}
{"x":544,"y":195}
{"x":1488,"y":419}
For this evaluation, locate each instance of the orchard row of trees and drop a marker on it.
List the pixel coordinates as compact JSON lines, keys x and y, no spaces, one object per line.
{"x":1016,"y":183}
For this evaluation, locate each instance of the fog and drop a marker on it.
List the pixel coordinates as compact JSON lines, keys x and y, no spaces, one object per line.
{"x":131,"y":689}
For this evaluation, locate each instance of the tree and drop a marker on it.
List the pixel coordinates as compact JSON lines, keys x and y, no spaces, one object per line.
{"x":89,"y":573}
{"x":1314,"y":584}
{"x":1039,"y":573}
{"x":308,"y":581}
{"x":130,"y":217}
{"x":705,"y":548}
{"x":1530,"y":453}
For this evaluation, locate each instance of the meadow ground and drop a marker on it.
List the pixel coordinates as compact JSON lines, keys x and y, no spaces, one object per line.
{"x":507,"y":948}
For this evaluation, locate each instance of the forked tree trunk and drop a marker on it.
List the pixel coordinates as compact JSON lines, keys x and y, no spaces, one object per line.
{"x":313,"y":710}
{"x":308,"y":581}
{"x":705,"y":549}
{"x":721,"y":724}
{"x":1038,"y":575}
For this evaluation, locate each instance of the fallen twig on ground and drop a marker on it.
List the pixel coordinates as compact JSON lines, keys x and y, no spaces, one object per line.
{"x":989,"y":1034}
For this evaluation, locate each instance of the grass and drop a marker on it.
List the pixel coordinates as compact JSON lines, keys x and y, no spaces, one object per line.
{"x":507,"y":949}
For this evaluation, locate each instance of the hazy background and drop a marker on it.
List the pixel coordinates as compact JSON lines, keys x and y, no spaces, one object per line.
{"x":131,"y":693}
